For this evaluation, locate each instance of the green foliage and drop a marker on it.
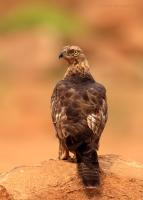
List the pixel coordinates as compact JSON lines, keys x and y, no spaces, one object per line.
{"x":36,"y":15}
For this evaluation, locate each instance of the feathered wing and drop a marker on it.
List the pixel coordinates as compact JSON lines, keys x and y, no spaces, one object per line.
{"x":79,"y":115}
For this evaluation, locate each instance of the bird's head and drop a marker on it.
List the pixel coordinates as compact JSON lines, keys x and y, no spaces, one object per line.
{"x":73,"y":54}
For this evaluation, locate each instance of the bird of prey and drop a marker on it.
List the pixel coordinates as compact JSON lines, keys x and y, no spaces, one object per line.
{"x":79,"y":114}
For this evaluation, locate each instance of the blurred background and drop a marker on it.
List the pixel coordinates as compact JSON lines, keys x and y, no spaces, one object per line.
{"x":32,"y":34}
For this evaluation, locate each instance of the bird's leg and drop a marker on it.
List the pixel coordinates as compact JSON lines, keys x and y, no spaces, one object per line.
{"x":63,"y":151}
{"x":73,"y":159}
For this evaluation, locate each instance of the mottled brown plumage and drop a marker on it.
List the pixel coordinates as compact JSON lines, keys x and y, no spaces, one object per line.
{"x":79,"y":114}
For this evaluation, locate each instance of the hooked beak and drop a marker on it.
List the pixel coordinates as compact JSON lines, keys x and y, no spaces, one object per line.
{"x":62,"y":54}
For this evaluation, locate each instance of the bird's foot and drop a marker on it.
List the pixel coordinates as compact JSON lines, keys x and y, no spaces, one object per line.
{"x":66,"y":158}
{"x":71,"y":159}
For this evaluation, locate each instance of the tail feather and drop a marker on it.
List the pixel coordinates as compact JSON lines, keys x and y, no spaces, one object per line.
{"x":89,"y":172}
{"x":87,"y":161}
{"x":90,"y":177}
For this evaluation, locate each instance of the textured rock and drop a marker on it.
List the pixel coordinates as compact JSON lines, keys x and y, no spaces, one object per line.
{"x":54,"y":179}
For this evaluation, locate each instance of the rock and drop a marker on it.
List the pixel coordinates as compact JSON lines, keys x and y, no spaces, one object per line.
{"x":54,"y":179}
{"x":4,"y":194}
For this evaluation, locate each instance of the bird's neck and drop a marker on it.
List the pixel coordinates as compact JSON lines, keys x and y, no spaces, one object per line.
{"x":78,"y":72}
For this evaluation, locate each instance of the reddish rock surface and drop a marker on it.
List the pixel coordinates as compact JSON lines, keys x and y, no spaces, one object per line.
{"x":54,"y":179}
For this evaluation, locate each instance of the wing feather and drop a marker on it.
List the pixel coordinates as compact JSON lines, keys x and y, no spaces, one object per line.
{"x":79,"y":112}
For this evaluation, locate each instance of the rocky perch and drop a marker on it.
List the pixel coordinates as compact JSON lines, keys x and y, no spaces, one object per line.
{"x":120,"y":179}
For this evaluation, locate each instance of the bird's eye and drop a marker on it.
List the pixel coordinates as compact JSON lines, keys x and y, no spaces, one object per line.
{"x":75,"y":52}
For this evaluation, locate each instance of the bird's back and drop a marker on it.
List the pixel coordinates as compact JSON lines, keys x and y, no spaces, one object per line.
{"x":76,"y":103}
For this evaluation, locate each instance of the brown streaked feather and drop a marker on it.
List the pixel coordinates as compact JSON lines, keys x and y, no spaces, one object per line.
{"x":79,"y":114}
